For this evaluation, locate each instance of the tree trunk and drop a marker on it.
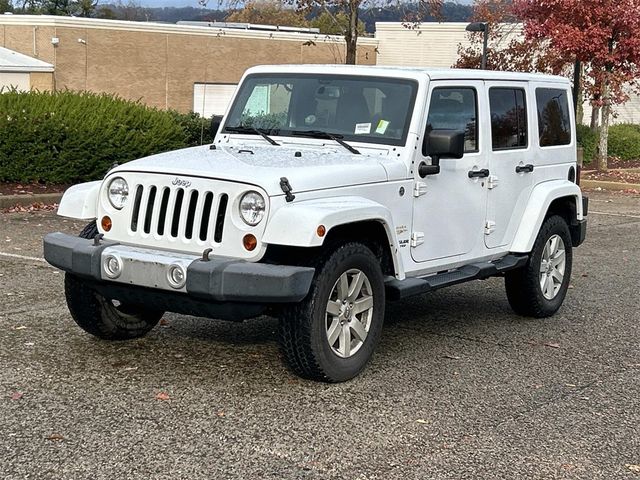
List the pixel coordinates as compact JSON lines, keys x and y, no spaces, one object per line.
{"x":603,"y":130}
{"x":595,"y":117}
{"x":351,"y":37}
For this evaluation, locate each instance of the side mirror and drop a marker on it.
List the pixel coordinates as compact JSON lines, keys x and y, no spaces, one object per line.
{"x":216,"y":120}
{"x":444,"y":144}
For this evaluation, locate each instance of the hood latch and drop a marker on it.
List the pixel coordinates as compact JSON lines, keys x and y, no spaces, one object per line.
{"x":286,"y":188}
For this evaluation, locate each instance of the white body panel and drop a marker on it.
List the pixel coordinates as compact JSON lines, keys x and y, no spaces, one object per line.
{"x":80,"y":201}
{"x":334,"y":187}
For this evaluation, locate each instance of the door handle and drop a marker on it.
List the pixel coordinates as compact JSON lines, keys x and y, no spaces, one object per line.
{"x":524,"y":168}
{"x":479,"y":173}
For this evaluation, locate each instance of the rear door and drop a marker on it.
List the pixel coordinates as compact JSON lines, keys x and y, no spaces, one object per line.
{"x":510,"y":159}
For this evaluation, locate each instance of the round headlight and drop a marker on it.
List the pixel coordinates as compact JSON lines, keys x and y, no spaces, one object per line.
{"x":252,"y":208}
{"x":118,"y":192}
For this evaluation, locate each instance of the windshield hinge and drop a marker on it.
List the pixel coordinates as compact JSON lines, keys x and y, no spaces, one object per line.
{"x":492,"y":182}
{"x":286,"y":188}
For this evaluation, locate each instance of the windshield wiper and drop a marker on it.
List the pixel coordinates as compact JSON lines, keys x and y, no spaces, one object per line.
{"x":241,"y":129}
{"x":331,"y":136}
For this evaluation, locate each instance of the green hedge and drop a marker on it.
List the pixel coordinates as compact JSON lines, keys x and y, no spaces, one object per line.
{"x":624,"y":141}
{"x":588,"y":139}
{"x":69,"y":137}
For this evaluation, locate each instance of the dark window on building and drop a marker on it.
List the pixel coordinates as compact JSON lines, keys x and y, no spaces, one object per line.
{"x":554,"y":122}
{"x":455,"y":109}
{"x":508,"y":118}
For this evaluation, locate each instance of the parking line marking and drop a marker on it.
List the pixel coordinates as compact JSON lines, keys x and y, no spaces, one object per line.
{"x":22,"y":257}
{"x":615,"y":214}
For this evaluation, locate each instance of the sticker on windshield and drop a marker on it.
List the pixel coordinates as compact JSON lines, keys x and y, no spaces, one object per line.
{"x":382,"y":127}
{"x":362,"y":128}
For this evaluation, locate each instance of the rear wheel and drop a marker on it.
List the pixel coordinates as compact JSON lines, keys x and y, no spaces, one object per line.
{"x":103,"y":317}
{"x":331,"y":334}
{"x":539,"y":288}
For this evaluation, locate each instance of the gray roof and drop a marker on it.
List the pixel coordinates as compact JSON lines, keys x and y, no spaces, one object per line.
{"x":11,"y":61}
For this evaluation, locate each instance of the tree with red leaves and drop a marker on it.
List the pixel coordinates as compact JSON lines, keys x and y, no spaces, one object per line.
{"x":508,"y":50}
{"x":603,"y":34}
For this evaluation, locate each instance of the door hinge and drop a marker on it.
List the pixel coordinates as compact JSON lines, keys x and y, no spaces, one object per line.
{"x":420,"y":188}
{"x":417,"y":238}
{"x":492,"y":182}
{"x":489,"y":227}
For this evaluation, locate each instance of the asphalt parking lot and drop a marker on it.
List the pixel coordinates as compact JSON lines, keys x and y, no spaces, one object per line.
{"x":459,"y":388}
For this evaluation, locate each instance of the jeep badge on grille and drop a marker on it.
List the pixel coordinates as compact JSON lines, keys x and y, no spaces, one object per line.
{"x":181,"y":183}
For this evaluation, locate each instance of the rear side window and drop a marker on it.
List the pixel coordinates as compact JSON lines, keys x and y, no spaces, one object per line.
{"x":455,"y":109}
{"x":508,"y":118}
{"x":554,"y":122}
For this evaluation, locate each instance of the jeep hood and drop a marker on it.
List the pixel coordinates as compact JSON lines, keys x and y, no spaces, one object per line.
{"x":306,"y":168}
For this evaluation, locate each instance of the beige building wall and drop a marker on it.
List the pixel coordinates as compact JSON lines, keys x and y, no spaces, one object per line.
{"x":157,"y":63}
{"x":41,"y":81}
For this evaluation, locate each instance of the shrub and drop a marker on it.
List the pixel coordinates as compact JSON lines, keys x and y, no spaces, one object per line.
{"x":68,"y":137}
{"x":624,"y":141}
{"x":588,"y":140}
{"x":197,"y":128}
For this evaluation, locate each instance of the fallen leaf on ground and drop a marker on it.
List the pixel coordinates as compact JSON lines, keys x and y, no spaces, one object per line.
{"x":21,"y":327}
{"x":55,"y":437}
{"x":421,"y":420}
{"x":452,"y":357}
{"x":164,"y":322}
{"x":633,"y":468}
{"x":16,"y":395}
{"x":162,"y":396}
{"x":220,"y":413}
{"x":552,"y":345}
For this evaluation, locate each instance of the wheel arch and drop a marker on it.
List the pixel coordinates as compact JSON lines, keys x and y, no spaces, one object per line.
{"x":344,"y":219}
{"x":80,"y":201}
{"x":561,"y":198}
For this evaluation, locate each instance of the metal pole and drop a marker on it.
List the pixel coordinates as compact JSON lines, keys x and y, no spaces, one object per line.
{"x":484,"y":48}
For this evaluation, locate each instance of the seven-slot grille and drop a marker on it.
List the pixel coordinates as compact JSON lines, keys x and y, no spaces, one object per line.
{"x":182,"y":213}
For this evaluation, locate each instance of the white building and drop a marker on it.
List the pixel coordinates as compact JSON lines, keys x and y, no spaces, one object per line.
{"x":23,"y":72}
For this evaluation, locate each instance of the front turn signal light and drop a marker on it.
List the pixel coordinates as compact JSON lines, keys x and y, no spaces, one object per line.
{"x":250,"y":242}
{"x":106,"y":223}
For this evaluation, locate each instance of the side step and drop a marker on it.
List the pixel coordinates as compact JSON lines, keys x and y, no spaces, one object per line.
{"x":399,"y":289}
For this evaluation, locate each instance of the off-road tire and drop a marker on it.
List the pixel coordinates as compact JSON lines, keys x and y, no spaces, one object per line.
{"x":303,"y":337}
{"x":523,"y":285}
{"x":99,"y":316}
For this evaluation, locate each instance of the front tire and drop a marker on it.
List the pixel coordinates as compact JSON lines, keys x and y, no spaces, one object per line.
{"x":330,"y":336}
{"x":538,"y":289}
{"x":102,"y":317}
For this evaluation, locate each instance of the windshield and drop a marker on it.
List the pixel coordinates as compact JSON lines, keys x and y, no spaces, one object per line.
{"x":360,"y":109}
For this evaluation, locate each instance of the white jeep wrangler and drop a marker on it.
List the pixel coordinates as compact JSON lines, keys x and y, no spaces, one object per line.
{"x":328,"y":191}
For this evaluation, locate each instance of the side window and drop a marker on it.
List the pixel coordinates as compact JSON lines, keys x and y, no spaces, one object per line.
{"x":508,"y":118}
{"x":455,"y":109}
{"x":554,"y":122}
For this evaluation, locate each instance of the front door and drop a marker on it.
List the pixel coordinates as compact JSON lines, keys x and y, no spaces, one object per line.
{"x":449,"y":207}
{"x":510,"y":182}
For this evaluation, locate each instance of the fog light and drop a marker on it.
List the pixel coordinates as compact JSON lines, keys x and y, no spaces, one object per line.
{"x":177,"y":276}
{"x":112,"y":266}
{"x":106,"y":223}
{"x":250,"y":242}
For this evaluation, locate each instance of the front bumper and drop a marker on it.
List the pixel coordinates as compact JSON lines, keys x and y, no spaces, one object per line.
{"x":215,"y":280}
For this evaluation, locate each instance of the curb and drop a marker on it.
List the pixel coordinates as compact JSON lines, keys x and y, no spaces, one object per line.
{"x":604,"y":185}
{"x":8,"y":201}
